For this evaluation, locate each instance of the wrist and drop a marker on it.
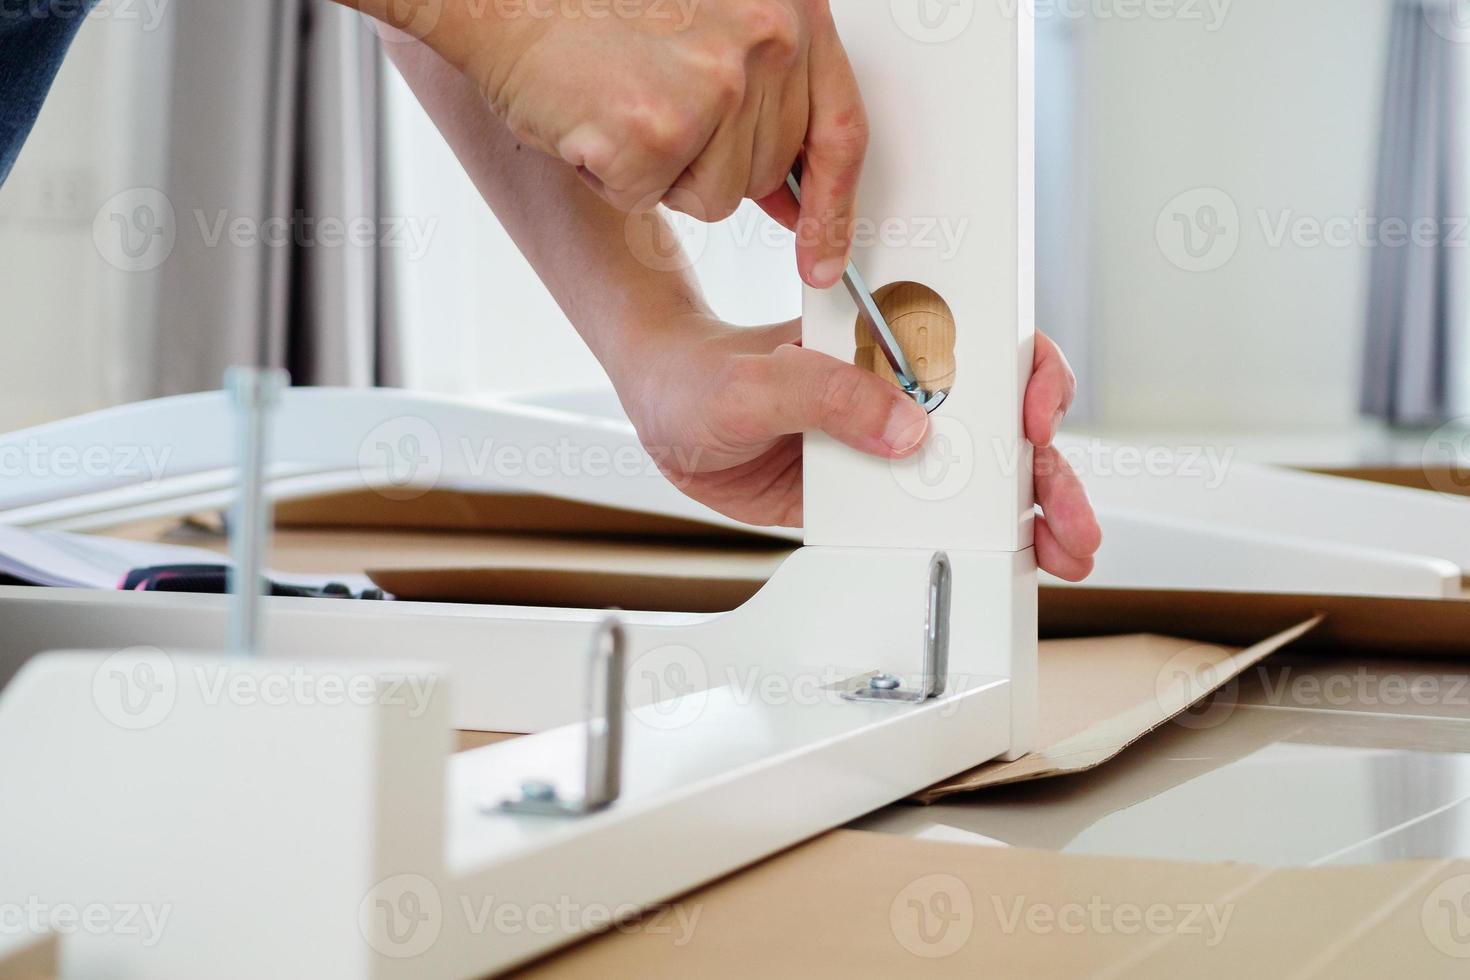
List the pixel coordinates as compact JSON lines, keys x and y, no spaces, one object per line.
{"x":472,"y":36}
{"x":482,"y":39}
{"x":642,"y":333}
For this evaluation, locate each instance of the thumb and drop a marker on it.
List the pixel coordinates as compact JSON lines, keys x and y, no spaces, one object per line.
{"x":809,"y":391}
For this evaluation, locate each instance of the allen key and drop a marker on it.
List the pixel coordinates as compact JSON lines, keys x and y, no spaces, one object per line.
{"x":888,"y":687}
{"x":877,"y":323}
{"x":602,"y":782}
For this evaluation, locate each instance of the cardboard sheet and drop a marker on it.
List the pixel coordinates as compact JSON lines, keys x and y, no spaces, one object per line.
{"x":452,"y":510}
{"x":855,"y":904}
{"x":568,"y":588}
{"x":1355,"y":624}
{"x":28,"y":958}
{"x":1098,"y":696}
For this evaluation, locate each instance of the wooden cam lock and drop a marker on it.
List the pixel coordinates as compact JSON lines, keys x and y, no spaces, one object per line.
{"x":924,"y":326}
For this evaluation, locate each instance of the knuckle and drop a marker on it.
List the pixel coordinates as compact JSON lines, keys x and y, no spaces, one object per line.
{"x":721,"y":208}
{"x":727,"y":80}
{"x":775,"y":27}
{"x":851,"y":138}
{"x":716,"y":200}
{"x":845,"y":141}
{"x":664,"y":131}
{"x":767,"y":181}
{"x":841,"y":396}
{"x":687,"y":197}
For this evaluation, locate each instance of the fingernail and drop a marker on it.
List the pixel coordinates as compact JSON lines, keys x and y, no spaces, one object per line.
{"x":907,"y":426}
{"x":826,"y":272}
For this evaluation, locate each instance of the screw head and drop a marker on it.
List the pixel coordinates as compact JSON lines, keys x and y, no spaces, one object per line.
{"x":538,"y":792}
{"x":884,"y":682}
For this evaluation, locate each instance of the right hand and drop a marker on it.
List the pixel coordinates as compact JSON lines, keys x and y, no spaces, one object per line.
{"x":697,"y":106}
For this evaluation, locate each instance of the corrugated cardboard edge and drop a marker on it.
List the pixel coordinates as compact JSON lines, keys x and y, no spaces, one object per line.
{"x":1099,"y":743}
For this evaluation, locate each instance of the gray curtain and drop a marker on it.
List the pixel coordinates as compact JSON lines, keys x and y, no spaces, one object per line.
{"x":1419,"y":294}
{"x":275,"y":179}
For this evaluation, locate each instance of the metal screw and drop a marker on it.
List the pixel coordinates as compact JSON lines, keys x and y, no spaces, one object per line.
{"x":885,"y":682}
{"x":538,"y":792}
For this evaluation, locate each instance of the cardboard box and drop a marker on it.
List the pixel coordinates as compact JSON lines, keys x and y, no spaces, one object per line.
{"x":1117,"y":664}
{"x":856,"y":904}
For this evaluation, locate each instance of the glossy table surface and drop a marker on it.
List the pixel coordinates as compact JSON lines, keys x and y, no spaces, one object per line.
{"x":1307,"y":761}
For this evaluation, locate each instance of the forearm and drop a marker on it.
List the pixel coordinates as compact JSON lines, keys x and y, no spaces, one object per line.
{"x":585,"y":251}
{"x":457,"y":29}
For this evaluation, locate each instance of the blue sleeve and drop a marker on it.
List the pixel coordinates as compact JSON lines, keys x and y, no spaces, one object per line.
{"x":34,"y":36}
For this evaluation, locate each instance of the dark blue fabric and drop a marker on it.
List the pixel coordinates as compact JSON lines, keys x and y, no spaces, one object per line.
{"x":34,"y":36}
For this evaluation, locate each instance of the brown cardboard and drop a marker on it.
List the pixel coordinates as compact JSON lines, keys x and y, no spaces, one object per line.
{"x":1052,"y":814}
{"x":568,"y":588}
{"x":517,"y":569}
{"x":1100,"y":695}
{"x":35,"y":959}
{"x":451,"y":510}
{"x":1358,"y":624}
{"x":435,"y":565}
{"x":855,"y":904}
{"x":836,"y":907}
{"x":1439,"y":479}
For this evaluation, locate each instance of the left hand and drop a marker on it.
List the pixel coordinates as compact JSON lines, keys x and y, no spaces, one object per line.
{"x":723,"y":408}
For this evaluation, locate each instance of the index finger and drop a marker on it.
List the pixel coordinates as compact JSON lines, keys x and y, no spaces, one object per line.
{"x":836,"y":143}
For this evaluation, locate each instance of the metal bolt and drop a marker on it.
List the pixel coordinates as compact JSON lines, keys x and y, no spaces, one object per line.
{"x":538,"y":792}
{"x":885,"y":682}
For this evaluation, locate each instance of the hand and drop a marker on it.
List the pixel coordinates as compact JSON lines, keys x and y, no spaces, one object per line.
{"x":697,"y":107}
{"x":722,"y":410}
{"x":1067,"y":532}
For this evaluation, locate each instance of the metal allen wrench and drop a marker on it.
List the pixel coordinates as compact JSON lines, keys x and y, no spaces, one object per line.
{"x":858,"y":289}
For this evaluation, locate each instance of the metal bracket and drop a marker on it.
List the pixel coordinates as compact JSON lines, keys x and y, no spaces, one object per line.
{"x":604,"y":766}
{"x":888,"y":687}
{"x":254,"y":393}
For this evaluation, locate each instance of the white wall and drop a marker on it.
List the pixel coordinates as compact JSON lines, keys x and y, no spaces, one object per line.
{"x":1279,"y":109}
